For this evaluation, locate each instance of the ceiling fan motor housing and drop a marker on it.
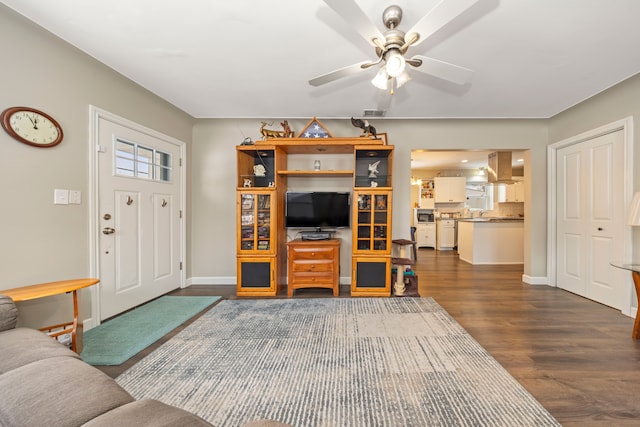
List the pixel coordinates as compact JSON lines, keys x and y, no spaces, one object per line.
{"x":393,"y":38}
{"x":392,"y":16}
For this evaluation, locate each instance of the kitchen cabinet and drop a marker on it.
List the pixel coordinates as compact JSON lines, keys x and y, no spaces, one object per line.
{"x":445,"y":234}
{"x":515,"y":192}
{"x":426,"y":235}
{"x":426,"y":195}
{"x":450,"y":190}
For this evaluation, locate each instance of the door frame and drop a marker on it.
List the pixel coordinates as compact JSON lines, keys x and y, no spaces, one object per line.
{"x":95,"y":115}
{"x":626,"y":126}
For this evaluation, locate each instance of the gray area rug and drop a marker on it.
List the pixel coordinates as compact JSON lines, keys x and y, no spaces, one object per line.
{"x":333,"y":362}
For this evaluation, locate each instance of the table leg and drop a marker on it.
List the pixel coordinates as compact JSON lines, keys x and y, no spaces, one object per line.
{"x":636,"y":326}
{"x":74,"y":329}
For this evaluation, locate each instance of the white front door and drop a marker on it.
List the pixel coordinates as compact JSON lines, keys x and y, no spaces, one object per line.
{"x":139,"y":217}
{"x":590,"y":229}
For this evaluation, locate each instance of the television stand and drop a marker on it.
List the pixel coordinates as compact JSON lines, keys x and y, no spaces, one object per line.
{"x":313,"y":264}
{"x":316,"y":235}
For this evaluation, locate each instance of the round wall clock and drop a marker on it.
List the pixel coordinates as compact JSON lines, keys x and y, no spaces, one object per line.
{"x":31,"y":126}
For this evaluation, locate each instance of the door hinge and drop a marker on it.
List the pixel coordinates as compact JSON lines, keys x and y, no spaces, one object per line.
{"x":180,"y":265}
{"x":180,"y":162}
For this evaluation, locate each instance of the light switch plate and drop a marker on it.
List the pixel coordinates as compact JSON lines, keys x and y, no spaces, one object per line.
{"x":60,"y":197}
{"x":75,"y":197}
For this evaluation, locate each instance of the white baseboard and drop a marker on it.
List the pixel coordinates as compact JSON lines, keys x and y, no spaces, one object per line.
{"x":532,"y":280}
{"x":88,"y":324}
{"x":219,"y":280}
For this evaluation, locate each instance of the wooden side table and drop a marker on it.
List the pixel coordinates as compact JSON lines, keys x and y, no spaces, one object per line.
{"x":26,"y":293}
{"x":635,"y":274}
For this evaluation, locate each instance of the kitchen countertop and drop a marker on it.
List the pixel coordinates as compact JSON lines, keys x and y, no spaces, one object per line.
{"x":492,"y":219}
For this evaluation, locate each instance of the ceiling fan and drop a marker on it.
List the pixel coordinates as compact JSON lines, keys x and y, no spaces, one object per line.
{"x":392,"y":44}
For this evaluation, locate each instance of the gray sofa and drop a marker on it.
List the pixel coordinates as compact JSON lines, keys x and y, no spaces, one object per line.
{"x":43,"y":383}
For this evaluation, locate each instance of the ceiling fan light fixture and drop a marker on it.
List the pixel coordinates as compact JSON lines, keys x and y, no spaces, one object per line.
{"x":394,"y":63}
{"x":402,"y":79}
{"x":381,"y":79}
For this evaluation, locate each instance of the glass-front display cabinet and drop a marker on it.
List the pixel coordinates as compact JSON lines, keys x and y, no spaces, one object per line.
{"x":371,"y":246}
{"x":255,"y":209}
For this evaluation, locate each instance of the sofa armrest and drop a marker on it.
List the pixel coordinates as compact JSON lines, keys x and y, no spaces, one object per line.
{"x":8,"y":313}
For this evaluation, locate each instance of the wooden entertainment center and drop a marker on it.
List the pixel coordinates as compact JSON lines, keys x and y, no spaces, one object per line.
{"x":262,"y":246}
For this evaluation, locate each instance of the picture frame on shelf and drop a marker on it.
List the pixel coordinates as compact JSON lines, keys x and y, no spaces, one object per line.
{"x":315,"y":129}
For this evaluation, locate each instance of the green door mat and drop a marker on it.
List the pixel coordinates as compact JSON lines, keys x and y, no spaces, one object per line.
{"x":117,"y":340}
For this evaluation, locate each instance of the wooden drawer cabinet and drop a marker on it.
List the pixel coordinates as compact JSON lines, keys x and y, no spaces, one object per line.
{"x":313,"y":264}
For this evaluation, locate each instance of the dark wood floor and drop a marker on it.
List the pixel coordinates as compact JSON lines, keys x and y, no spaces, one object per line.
{"x":574,"y":355}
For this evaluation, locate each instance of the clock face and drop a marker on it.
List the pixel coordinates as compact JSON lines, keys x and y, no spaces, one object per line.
{"x":31,"y":126}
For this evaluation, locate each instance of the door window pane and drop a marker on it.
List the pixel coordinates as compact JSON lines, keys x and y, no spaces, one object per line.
{"x":135,"y":160}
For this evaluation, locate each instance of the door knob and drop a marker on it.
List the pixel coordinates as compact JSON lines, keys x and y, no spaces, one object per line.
{"x":600,"y":228}
{"x":108,"y":230}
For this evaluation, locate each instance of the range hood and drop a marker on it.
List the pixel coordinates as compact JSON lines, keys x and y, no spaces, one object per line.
{"x":500,"y":170}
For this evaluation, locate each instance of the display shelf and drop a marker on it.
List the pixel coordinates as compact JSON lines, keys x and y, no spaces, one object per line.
{"x":311,"y":173}
{"x":256,"y":168}
{"x":319,"y":146}
{"x":373,"y":166}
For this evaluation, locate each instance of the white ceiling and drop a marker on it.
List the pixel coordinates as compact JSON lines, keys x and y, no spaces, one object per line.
{"x":249,"y":58}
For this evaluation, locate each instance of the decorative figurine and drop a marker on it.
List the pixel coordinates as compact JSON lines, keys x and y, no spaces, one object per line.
{"x":374,"y":184}
{"x":367,"y":129}
{"x":247,"y":183}
{"x":259,"y":170}
{"x":269,"y":133}
{"x":287,"y":132}
{"x":373,"y":169}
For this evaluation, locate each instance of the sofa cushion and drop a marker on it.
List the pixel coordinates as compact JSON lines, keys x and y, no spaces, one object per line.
{"x":21,"y":346}
{"x":61,"y":391}
{"x":147,"y":412}
{"x":8,"y":313}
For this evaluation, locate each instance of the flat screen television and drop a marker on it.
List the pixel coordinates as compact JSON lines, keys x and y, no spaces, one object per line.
{"x":317,"y":209}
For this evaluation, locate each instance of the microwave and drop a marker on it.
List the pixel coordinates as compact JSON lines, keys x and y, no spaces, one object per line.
{"x":424,"y":215}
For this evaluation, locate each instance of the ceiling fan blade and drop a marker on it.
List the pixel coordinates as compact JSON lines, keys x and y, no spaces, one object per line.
{"x":340,"y":73}
{"x":442,"y":70}
{"x":441,"y":14}
{"x":352,"y":14}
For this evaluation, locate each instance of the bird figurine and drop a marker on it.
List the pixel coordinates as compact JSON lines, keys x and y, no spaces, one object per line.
{"x":373,"y":169}
{"x":365,"y":126}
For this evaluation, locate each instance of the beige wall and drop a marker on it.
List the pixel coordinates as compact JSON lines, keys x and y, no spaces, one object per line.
{"x":42,"y":242}
{"x":213,"y":179}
